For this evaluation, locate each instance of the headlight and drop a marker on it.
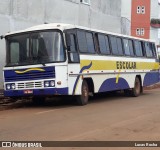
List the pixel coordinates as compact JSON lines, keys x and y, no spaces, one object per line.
{"x":46,"y":84}
{"x":52,"y":83}
{"x":8,"y":87}
{"x":13,"y":86}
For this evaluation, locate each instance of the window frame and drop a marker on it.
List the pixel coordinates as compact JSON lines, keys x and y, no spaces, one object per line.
{"x":94,"y":46}
{"x":111,"y":44}
{"x":143,"y":9}
{"x":153,"y":50}
{"x":120,"y":37}
{"x":142,"y":31}
{"x":124,"y":46}
{"x":30,"y":33}
{"x":138,"y":9}
{"x":138,"y":31}
{"x":131,"y":40}
{"x":135,"y":40}
{"x":73,"y":52}
{"x":99,"y":50}
{"x":80,"y":51}
{"x":94,"y":42}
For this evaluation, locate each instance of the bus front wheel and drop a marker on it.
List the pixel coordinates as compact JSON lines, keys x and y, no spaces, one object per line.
{"x":83,"y":98}
{"x":135,"y":92}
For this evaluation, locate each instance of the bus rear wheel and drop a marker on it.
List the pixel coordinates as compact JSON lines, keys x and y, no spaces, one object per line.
{"x":135,"y":92}
{"x":83,"y":98}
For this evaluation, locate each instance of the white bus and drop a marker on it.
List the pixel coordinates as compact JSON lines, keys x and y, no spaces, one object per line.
{"x":63,"y":59}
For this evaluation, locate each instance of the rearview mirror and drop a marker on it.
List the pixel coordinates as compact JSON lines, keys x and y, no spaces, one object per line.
{"x":2,"y":37}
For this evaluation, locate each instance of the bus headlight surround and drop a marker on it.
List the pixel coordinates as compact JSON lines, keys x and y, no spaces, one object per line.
{"x":11,"y":86}
{"x":50,"y":83}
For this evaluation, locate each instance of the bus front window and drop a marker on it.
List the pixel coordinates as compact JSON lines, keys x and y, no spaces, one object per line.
{"x":35,"y":48}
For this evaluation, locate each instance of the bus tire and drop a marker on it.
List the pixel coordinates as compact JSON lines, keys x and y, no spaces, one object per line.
{"x":136,"y":91}
{"x":38,"y":100}
{"x":142,"y":90}
{"x":83,"y":98}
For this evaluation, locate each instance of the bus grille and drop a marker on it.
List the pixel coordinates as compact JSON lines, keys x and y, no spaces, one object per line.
{"x":11,"y":75}
{"x":29,"y":85}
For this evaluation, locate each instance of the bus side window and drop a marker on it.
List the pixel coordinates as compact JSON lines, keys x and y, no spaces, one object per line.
{"x":131,"y":49}
{"x":144,"y":49}
{"x":126,"y":47}
{"x":82,"y":42}
{"x":154,"y":49}
{"x":73,"y":54}
{"x":148,"y":48}
{"x":113,"y":42}
{"x":103,"y":44}
{"x":119,"y":46}
{"x":116,"y":45}
{"x":138,"y":48}
{"x":86,"y":42}
{"x":90,"y":43}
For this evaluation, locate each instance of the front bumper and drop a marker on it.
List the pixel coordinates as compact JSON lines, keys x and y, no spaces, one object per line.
{"x":36,"y":92}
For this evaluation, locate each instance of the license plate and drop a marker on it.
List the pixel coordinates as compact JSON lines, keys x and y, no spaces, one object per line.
{"x":28,"y":91}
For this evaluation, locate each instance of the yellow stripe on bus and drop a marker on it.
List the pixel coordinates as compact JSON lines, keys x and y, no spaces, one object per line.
{"x":28,"y":70}
{"x":118,"y":75}
{"x":120,"y":65}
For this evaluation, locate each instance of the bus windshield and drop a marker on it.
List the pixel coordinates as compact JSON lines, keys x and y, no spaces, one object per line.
{"x":35,"y":48}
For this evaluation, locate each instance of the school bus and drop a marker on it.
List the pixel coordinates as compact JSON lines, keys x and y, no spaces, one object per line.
{"x":64,"y":59}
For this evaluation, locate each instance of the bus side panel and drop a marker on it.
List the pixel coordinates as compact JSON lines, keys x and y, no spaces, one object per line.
{"x":151,"y":78}
{"x":110,"y":82}
{"x":61,"y":78}
{"x":74,"y":79}
{"x":112,"y":73}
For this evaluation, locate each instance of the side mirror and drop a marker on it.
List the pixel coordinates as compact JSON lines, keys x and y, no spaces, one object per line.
{"x":68,"y":40}
{"x":2,"y":37}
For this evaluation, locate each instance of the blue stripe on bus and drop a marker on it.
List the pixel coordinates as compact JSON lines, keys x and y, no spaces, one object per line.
{"x":151,"y":78}
{"x":11,"y":75}
{"x":111,"y":85}
{"x":37,"y":92}
{"x":84,"y":68}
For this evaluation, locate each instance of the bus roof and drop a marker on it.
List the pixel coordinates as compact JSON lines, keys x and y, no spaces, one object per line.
{"x":62,"y":27}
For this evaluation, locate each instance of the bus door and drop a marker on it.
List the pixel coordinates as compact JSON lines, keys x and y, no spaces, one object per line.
{"x":73,"y":61}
